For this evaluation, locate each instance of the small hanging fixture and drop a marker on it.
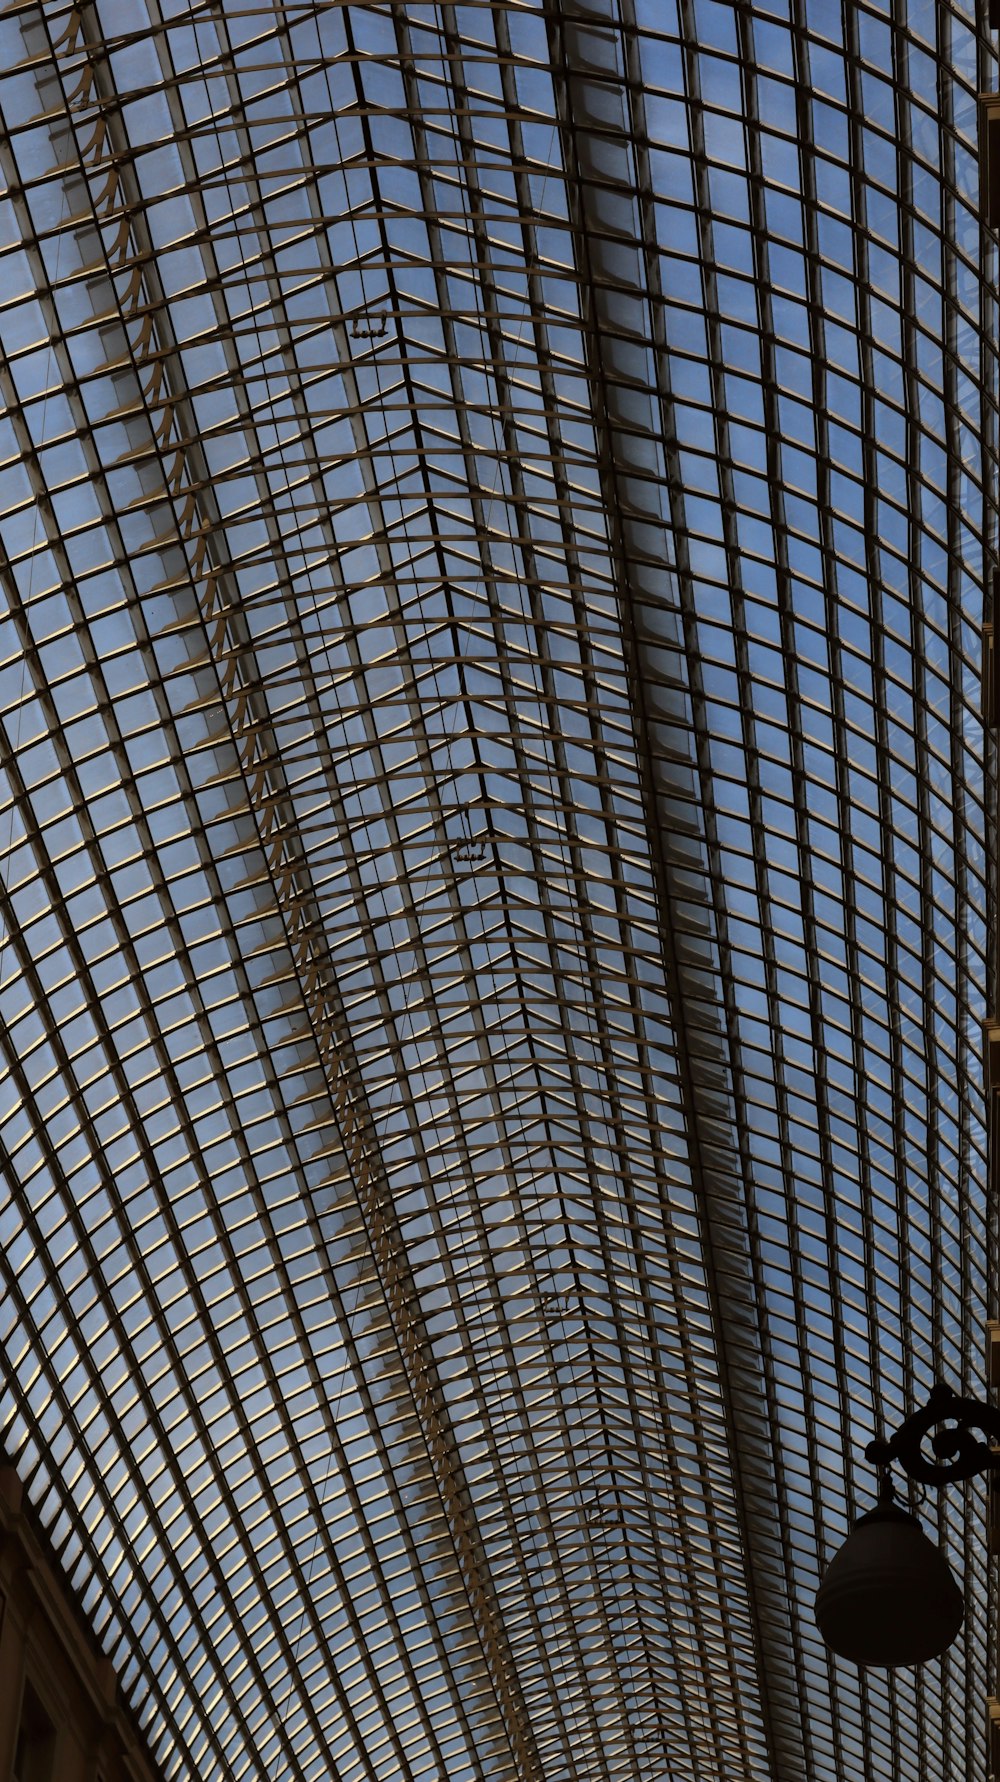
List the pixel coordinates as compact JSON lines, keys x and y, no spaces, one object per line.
{"x":888,"y":1597}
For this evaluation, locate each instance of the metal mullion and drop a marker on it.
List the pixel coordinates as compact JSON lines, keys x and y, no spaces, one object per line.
{"x":362,"y":1644}
{"x":55,"y":1171}
{"x":757,"y":833}
{"x":96,"y":1574}
{"x":559,"y":59}
{"x":885,"y":754}
{"x":987,"y":75}
{"x":512,"y":454}
{"x":358,"y":1369}
{"x":247,"y":1302}
{"x":474,"y":210}
{"x":86,"y":430}
{"x":971,"y":1315}
{"x":360,"y":410}
{"x":496,"y":1298}
{"x":813,"y":946}
{"x":810,"y":206}
{"x":149,"y":1158}
{"x":473,"y":1743}
{"x":925,"y":831}
{"x":392,"y":1497}
{"x":496,"y":1312}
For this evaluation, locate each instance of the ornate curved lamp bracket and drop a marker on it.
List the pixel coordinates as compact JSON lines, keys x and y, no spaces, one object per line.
{"x":957,"y":1453}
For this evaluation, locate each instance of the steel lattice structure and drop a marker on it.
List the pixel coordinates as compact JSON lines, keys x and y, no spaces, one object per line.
{"x":494,"y":857}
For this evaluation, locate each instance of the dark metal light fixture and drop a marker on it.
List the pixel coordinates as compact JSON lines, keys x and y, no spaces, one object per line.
{"x":888,"y":1597}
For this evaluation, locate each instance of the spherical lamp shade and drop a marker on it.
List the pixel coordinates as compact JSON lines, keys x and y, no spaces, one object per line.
{"x":888,"y":1597}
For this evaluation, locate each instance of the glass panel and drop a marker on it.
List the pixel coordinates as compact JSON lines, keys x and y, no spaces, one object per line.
{"x":494,"y":865}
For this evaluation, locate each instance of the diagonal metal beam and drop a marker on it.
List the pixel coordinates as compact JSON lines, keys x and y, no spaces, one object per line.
{"x":590,"y":54}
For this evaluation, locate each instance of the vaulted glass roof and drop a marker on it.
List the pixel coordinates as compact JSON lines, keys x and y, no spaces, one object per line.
{"x":495,"y":502}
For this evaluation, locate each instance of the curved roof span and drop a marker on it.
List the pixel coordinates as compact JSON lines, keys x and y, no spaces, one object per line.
{"x":494,"y":865}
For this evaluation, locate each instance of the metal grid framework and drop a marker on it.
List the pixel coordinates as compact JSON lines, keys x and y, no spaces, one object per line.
{"x":493,"y":854}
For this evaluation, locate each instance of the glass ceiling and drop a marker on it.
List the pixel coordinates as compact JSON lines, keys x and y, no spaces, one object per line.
{"x":493,"y":857}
